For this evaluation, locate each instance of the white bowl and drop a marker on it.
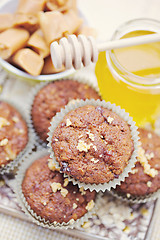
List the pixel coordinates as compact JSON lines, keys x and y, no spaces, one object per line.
{"x":10,"y":6}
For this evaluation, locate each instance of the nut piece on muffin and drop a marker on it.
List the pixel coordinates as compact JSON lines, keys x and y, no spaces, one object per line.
{"x":54,"y":96}
{"x":51,"y":196}
{"x":92,"y":144}
{"x":145,"y":176}
{"x":13,"y":133}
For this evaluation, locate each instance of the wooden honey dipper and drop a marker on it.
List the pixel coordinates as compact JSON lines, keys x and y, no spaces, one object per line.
{"x":75,"y":50}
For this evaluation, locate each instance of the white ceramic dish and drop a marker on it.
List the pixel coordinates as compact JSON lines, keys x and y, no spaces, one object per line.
{"x":10,"y":6}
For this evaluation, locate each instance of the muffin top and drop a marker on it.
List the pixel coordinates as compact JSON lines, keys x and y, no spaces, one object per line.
{"x":51,"y":196}
{"x":145,"y":177}
{"x":54,"y":96}
{"x":92,"y":144}
{"x":13,"y":133}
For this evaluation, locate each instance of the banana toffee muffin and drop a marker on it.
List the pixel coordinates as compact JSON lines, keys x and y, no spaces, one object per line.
{"x":51,"y":196}
{"x":145,"y":176}
{"x":92,"y":144}
{"x":13,"y":133}
{"x":54,"y":96}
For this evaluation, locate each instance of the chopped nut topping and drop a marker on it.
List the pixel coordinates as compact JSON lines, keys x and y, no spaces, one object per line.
{"x":100,"y":155}
{"x":3,"y":142}
{"x":82,"y":191}
{"x":66,"y":181}
{"x":68,"y":122}
{"x":74,"y":206}
{"x":82,"y":146}
{"x":91,"y":135}
{"x":134,"y":170}
{"x":95,"y":148}
{"x":15,"y":119}
{"x":77,"y":199}
{"x":101,"y":136}
{"x":90,"y":205}
{"x":51,"y":165}
{"x":149,"y":183}
{"x":95,"y":161}
{"x":55,"y":186}
{"x":149,"y":135}
{"x":144,"y":162}
{"x":110,"y":120}
{"x":86,"y":225}
{"x":71,"y":221}
{"x":64,"y":192}
{"x":3,"y":122}
{"x":128,"y":195}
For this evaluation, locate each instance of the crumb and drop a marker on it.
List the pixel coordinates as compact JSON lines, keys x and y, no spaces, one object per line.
{"x":66,"y":181}
{"x":110,"y":120}
{"x":91,"y":135}
{"x":51,"y":165}
{"x":95,"y":148}
{"x":55,"y":186}
{"x":68,"y":122}
{"x":86,"y":225}
{"x":4,"y":142}
{"x":128,"y":195}
{"x":64,"y":192}
{"x":3,"y":122}
{"x":82,"y":191}
{"x":90,"y":205}
{"x":149,"y":184}
{"x":74,"y":206}
{"x":82,"y":146}
{"x":144,"y":211}
{"x":95,"y":161}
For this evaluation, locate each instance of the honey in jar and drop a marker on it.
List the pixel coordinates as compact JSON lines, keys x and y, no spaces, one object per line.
{"x":130,"y":76}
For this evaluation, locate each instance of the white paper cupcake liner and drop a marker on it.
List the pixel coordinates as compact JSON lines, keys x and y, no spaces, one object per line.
{"x":135,"y":199}
{"x":28,"y":160}
{"x":30,"y":144}
{"x":39,"y":86}
{"x":121,"y":112}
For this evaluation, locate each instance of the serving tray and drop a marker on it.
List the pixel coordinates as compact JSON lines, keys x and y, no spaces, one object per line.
{"x":114,"y":220}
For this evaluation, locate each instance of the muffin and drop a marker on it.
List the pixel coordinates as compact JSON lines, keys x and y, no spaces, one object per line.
{"x":51,"y":196}
{"x":145,"y":176}
{"x":54,"y":96}
{"x":92,"y":144}
{"x":13,"y":133}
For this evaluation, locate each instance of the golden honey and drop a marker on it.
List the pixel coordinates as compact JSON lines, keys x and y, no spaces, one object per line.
{"x":130,"y":78}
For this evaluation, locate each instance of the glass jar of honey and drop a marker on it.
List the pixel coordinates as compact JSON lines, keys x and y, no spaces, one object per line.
{"x":130,"y":76}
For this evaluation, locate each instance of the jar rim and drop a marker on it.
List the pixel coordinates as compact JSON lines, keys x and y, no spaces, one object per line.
{"x":143,"y":24}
